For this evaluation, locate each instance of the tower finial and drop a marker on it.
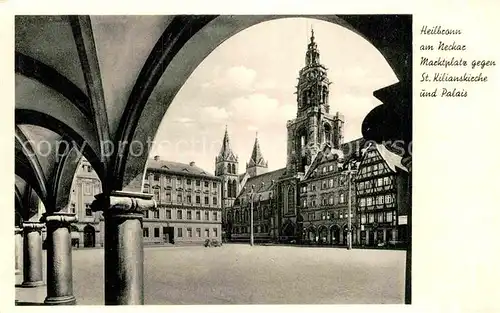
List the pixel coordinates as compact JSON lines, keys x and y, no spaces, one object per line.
{"x":312,"y":34}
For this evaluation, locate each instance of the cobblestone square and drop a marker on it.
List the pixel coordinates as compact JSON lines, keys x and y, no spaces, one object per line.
{"x":240,"y":274}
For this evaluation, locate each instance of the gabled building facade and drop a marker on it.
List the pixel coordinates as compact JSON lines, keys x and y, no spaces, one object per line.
{"x":382,"y":197}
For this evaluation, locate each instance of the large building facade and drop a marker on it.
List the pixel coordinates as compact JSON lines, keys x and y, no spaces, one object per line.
{"x":188,"y":199}
{"x":307,"y":200}
{"x":88,"y":231}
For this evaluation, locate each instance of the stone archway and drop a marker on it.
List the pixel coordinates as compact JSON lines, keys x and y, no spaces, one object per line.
{"x":335,"y":235}
{"x":323,"y":234}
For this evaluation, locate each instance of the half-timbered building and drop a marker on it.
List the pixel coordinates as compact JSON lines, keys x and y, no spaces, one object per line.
{"x":382,"y":197}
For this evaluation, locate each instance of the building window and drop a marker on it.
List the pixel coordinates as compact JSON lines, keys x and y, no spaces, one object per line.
{"x":388,"y":217}
{"x":179,"y":198}
{"x":168,"y":214}
{"x":189,"y":215}
{"x":207,"y":232}
{"x":156,"y":193}
{"x":216,"y":233}
{"x":156,"y":177}
{"x":207,"y":215}
{"x":198,"y":199}
{"x":179,"y":232}
{"x":188,"y":182}
{"x":369,"y":201}
{"x":388,"y":199}
{"x":146,"y":214}
{"x":88,"y":189}
{"x":371,"y":218}
{"x":190,"y":232}
{"x":214,"y":185}
{"x":179,"y":181}
{"x":156,"y":214}
{"x":188,"y":198}
{"x":206,"y":200}
{"x":215,"y":216}
{"x":330,"y":200}
{"x":330,"y":183}
{"x":215,"y":200}
{"x":363,"y":218}
{"x":362,"y":202}
{"x":168,"y":179}
{"x":179,"y":214}
{"x":198,"y":232}
{"x":88,"y":210}
{"x":198,"y":183}
{"x":145,"y":232}
{"x":168,"y":197}
{"x":206,"y":184}
{"x":157,"y":232}
{"x":198,"y":215}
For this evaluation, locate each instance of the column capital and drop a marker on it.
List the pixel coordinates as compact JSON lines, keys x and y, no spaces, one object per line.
{"x":59,"y":217}
{"x":124,"y":202}
{"x":37,"y":226}
{"x":18,"y":230}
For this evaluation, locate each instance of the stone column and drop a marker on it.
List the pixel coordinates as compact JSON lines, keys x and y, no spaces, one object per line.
{"x":358,"y":236}
{"x":19,"y":244}
{"x":123,"y":247}
{"x":32,"y":254}
{"x":385,"y":235}
{"x":394,"y":234}
{"x":367,"y":237}
{"x":59,"y":261}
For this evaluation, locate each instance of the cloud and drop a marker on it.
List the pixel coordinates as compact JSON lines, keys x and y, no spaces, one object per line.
{"x":265,"y":84}
{"x":183,"y":120}
{"x":252,"y":128}
{"x":239,"y":77}
{"x":212,"y":112}
{"x":261,"y":108}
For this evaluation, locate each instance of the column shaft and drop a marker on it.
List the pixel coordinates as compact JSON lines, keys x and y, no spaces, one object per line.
{"x":19,"y":249}
{"x":123,"y":247}
{"x":124,"y":257}
{"x":59,"y":260}
{"x":32,"y":255}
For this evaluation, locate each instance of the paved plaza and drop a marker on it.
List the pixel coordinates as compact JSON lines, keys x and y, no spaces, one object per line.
{"x":240,"y":274}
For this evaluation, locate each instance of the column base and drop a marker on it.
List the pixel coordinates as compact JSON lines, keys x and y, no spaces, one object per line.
{"x":63,"y":300}
{"x":18,"y":272}
{"x":32,"y":284}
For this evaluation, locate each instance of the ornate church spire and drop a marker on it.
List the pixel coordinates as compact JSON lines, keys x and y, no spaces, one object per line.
{"x":312,"y":54}
{"x":257,"y":165}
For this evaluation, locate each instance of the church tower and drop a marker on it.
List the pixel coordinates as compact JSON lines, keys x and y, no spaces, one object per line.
{"x":257,"y":165}
{"x":226,"y":167}
{"x":314,"y":126}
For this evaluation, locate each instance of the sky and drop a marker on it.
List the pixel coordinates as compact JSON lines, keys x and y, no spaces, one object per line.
{"x":248,"y":85}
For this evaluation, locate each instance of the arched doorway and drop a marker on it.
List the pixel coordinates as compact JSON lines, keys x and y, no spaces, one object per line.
{"x":322,"y":234}
{"x":311,"y":234}
{"x":335,"y":235}
{"x":89,"y":236}
{"x":289,"y":230}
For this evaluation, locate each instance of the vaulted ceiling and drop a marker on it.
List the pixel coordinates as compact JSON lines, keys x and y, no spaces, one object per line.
{"x":100,"y":83}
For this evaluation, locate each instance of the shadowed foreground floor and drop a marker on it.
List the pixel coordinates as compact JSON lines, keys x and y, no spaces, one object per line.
{"x":240,"y":274}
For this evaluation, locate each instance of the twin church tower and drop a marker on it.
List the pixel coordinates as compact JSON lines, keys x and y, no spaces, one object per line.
{"x":312,"y":129}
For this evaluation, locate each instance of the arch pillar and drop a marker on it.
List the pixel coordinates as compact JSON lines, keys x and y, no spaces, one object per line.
{"x":123,"y":246}
{"x":19,"y":244}
{"x":32,"y":254}
{"x":59,"y":260}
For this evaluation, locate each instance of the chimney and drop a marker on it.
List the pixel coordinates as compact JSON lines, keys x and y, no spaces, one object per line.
{"x":191,"y":163}
{"x":157,"y":158}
